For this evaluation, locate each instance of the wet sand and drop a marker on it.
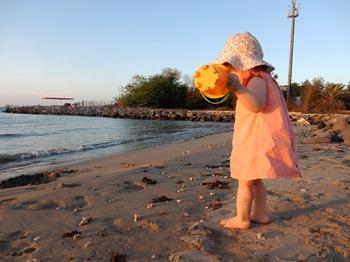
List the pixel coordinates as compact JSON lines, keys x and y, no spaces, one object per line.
{"x":164,"y":204}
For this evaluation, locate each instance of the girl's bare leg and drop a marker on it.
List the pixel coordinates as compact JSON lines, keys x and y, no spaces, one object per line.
{"x":259,"y":213}
{"x":243,"y":204}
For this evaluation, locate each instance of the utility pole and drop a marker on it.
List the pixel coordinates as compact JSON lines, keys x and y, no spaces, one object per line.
{"x":293,"y":13}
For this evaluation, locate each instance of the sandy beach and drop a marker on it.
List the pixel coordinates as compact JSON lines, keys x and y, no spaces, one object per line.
{"x":164,"y":203}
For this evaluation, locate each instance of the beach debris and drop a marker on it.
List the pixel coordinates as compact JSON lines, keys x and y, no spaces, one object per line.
{"x":76,"y":237}
{"x":88,"y":244}
{"x":137,"y":217}
{"x":260,"y":236}
{"x":102,"y":232}
{"x":116,"y":257}
{"x":192,"y":255}
{"x":186,"y":214}
{"x":150,"y":205}
{"x":72,"y":233}
{"x":156,"y":256}
{"x":24,"y":235}
{"x":201,"y":197}
{"x":187,"y":164}
{"x":149,"y":181}
{"x":211,"y":166}
{"x":85,"y":220}
{"x":36,"y":179}
{"x":130,"y":186}
{"x":161,"y":199}
{"x":127,"y":164}
{"x":109,"y":201}
{"x":171,"y":177}
{"x":36,"y":239}
{"x":303,"y":190}
{"x":186,"y":152}
{"x":178,"y":200}
{"x":191,"y":178}
{"x":209,"y":146}
{"x":93,"y":188}
{"x":212,"y":193}
{"x":149,"y":225}
{"x":60,"y":185}
{"x":76,"y":210}
{"x":216,"y":204}
{"x":217,"y":184}
{"x":198,"y":237}
{"x":225,"y":177}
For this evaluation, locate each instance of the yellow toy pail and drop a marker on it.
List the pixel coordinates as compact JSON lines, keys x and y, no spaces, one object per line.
{"x":211,"y":81}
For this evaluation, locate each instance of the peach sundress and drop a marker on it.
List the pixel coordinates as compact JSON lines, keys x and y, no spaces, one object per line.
{"x":263,"y":144}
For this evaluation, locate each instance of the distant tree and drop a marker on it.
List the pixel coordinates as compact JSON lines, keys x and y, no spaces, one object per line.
{"x":311,"y":94}
{"x":157,"y":91}
{"x":331,"y":97}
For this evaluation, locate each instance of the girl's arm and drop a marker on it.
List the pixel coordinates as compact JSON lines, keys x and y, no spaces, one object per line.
{"x":254,"y":96}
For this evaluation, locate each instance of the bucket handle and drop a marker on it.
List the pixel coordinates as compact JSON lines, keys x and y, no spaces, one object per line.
{"x":216,"y":103}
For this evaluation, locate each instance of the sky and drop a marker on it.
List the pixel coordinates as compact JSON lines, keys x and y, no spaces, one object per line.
{"x":89,"y":49}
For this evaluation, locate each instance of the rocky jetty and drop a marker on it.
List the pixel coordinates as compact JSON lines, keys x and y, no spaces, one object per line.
{"x":133,"y":113}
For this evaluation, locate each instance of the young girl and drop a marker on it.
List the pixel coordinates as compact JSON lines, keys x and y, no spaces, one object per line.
{"x":263,"y":144}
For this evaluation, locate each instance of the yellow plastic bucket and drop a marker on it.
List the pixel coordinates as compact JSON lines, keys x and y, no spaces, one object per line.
{"x":211,"y":80}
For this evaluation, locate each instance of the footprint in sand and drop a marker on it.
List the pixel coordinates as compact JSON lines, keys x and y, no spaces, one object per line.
{"x":75,"y":202}
{"x":129,"y":186}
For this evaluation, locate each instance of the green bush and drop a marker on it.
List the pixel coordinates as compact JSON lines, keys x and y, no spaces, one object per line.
{"x":157,"y":91}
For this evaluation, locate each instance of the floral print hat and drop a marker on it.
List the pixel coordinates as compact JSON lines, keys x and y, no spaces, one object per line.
{"x":243,"y":51}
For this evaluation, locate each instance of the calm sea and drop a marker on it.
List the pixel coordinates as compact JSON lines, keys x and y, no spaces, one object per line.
{"x":31,"y":142}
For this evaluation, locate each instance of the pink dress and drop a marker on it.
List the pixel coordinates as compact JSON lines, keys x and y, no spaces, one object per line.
{"x":263,"y":144}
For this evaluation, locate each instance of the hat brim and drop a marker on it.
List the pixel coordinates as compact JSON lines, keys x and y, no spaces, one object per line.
{"x":250,"y":63}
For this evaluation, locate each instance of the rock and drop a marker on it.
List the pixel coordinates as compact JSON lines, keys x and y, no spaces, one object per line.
{"x":302,"y":122}
{"x":85,"y":220}
{"x":72,"y":234}
{"x":76,"y":237}
{"x":156,"y":256}
{"x":150,"y":205}
{"x":260,"y":236}
{"x":137,"y":217}
{"x":88,"y":244}
{"x":343,"y":124}
{"x":149,"y":181}
{"x":36,"y":239}
{"x":321,"y":136}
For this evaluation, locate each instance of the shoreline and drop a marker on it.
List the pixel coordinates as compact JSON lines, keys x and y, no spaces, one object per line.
{"x":171,"y":198}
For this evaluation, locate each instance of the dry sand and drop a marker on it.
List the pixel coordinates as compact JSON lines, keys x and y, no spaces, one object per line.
{"x":310,"y":217}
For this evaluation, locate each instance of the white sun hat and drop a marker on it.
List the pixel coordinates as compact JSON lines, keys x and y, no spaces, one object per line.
{"x":243,"y":51}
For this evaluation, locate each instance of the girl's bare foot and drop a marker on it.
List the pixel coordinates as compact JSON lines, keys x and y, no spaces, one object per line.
{"x":259,"y":219}
{"x":234,"y":222}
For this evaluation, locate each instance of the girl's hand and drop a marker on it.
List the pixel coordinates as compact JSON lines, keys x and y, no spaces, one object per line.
{"x":233,"y":83}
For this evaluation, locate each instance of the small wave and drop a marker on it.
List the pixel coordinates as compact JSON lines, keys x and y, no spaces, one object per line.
{"x":4,"y":158}
{"x":13,"y":135}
